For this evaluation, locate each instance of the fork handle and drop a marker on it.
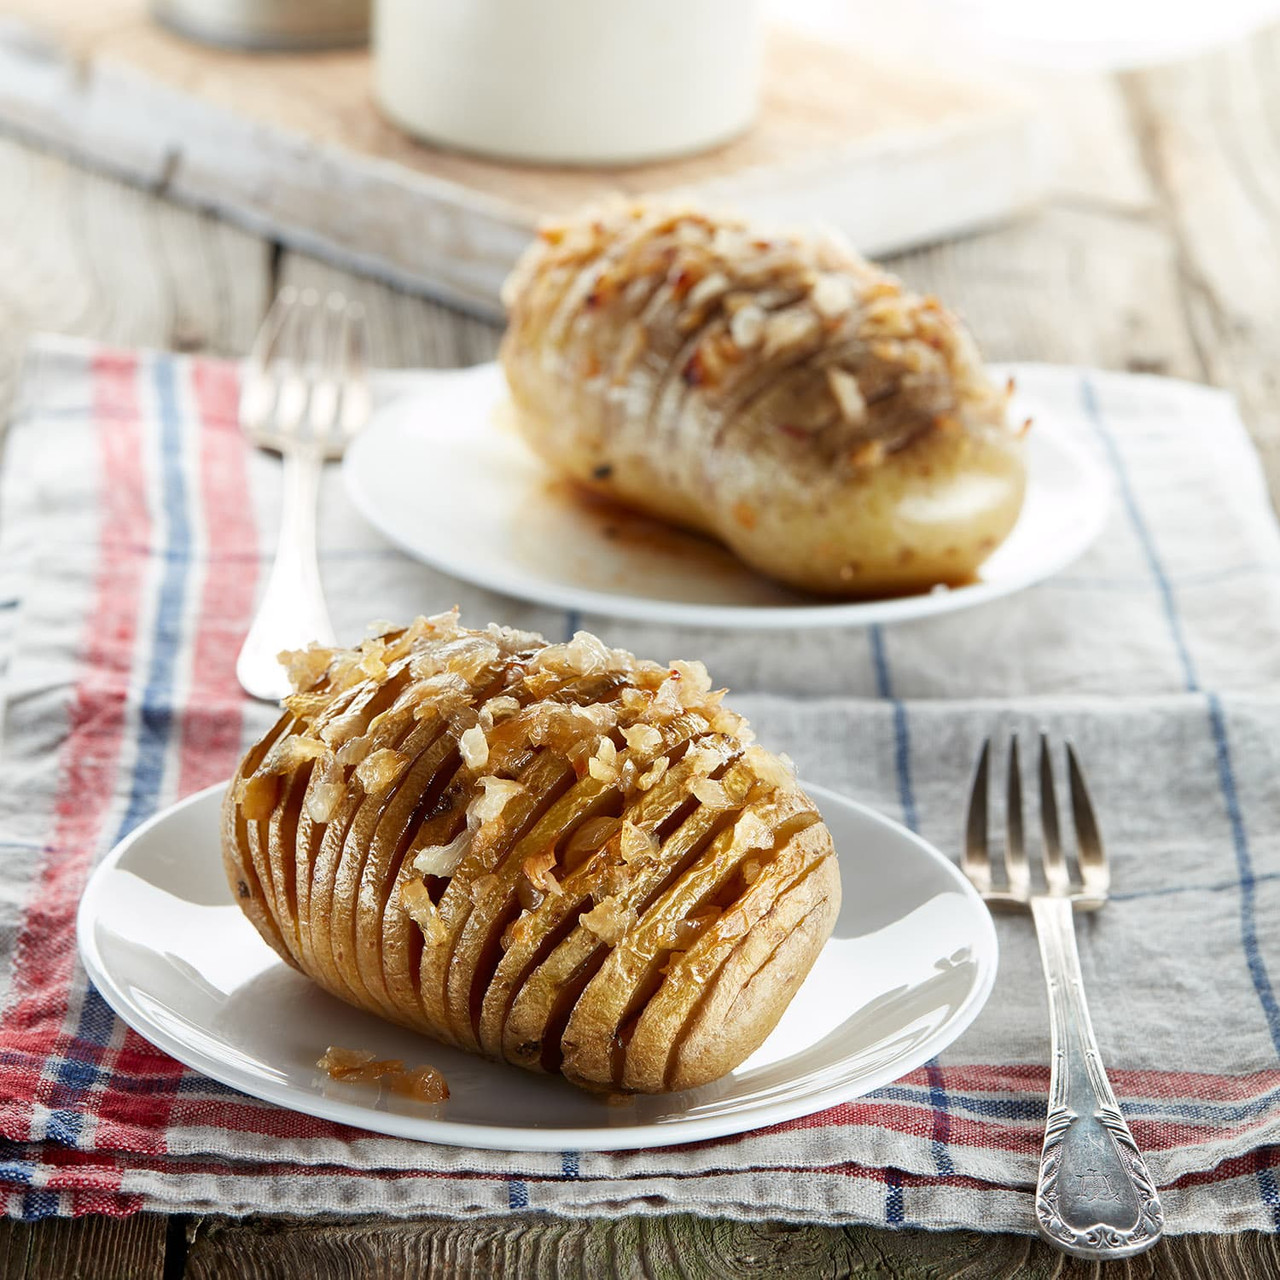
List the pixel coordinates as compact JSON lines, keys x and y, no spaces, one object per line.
{"x":292,"y":611}
{"x":1094,"y":1195}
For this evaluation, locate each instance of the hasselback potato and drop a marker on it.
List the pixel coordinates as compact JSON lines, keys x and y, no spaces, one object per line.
{"x":779,"y":393}
{"x":552,"y":854}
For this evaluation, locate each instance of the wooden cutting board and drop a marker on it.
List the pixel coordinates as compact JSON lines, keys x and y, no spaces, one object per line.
{"x":292,"y":145}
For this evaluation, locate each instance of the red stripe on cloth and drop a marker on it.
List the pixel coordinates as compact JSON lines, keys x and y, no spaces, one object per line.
{"x":1155,"y":1085}
{"x":214,"y":715}
{"x":44,"y":957}
{"x":213,"y":710}
{"x":263,"y":1120}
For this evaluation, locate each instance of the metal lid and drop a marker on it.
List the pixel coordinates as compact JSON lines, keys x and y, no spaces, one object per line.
{"x":268,"y":24}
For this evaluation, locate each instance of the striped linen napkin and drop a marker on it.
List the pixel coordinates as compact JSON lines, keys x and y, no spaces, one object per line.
{"x":134,"y":529}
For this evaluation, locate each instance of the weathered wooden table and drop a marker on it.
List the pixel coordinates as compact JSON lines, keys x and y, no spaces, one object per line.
{"x":1159,"y":251}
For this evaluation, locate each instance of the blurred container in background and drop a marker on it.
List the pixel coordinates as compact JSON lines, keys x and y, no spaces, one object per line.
{"x":569,"y":81}
{"x":268,"y":24}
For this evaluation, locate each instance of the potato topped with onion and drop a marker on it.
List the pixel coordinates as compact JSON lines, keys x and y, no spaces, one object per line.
{"x":552,"y":854}
{"x":777,"y":392}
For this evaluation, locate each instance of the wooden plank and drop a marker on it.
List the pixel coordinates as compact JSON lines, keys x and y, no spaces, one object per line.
{"x":291,"y":143}
{"x":1208,"y":134}
{"x":533,"y":1247}
{"x":83,"y":1248}
{"x":85,"y":254}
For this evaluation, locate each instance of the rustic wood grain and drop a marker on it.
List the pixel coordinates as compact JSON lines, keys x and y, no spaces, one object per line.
{"x":1209,"y":130}
{"x":533,"y":1247}
{"x":84,"y":254}
{"x":293,"y":142}
{"x":83,"y":1249}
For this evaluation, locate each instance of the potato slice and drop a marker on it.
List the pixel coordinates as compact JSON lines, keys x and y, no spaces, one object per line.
{"x":743,"y":1002}
{"x":659,"y":1022}
{"x":631,"y":974}
{"x":535,"y":1022}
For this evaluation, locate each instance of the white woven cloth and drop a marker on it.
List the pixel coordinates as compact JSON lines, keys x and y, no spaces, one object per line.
{"x":134,"y":527}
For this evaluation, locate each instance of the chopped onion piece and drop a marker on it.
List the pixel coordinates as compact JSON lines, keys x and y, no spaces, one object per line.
{"x":712,"y":794}
{"x":512,"y":641}
{"x":778,"y":771}
{"x":441,"y":859}
{"x":474,"y":748}
{"x":590,"y":836}
{"x":493,"y":798}
{"x":425,"y":1084}
{"x":497,"y":709}
{"x":609,"y":921}
{"x":290,"y":752}
{"x":643,"y":738}
{"x":342,"y":1064}
{"x":537,"y":869}
{"x":256,"y":796}
{"x":323,"y":800}
{"x":653,"y":774}
{"x":378,"y":771}
{"x":359,"y":1066}
{"x":635,"y":844}
{"x":751,"y":831}
{"x":306,"y":667}
{"x":694,"y":682}
{"x":418,"y":906}
{"x":603,"y":766}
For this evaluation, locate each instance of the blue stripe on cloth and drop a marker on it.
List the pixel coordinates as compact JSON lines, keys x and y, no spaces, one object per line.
{"x":893,"y":1198}
{"x":907,"y":800}
{"x":39,"y":1204}
{"x":1266,"y":1176}
{"x":156,"y":712}
{"x":901,"y":730}
{"x":1089,"y":399}
{"x":569,"y":1164}
{"x":572,"y":623}
{"x":941,"y":1119}
{"x":517,"y":1194}
{"x":155,"y":725}
{"x":1244,"y":862}
{"x":1222,"y":748}
{"x":12,"y":1167}
{"x":1221,"y":886}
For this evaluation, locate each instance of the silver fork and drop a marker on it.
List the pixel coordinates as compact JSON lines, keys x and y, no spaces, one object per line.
{"x":1094,"y":1195}
{"x":304,"y":395}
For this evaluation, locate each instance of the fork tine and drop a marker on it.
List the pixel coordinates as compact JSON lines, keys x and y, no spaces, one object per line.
{"x":257,"y":389}
{"x":1089,"y":851}
{"x":1015,"y":852}
{"x":353,"y":371}
{"x":1055,"y":867}
{"x":292,"y":350}
{"x":325,"y":370}
{"x":976,"y":859}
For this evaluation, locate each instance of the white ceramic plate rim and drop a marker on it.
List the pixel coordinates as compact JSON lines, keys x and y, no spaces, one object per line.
{"x":498,"y":1137}
{"x":863,"y":613}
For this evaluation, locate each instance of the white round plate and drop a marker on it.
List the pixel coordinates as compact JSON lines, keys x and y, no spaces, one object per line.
{"x":910,"y":963}
{"x":443,"y":474}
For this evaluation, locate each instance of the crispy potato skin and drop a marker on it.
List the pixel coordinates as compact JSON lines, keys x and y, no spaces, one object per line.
{"x":555,"y":855}
{"x":779,"y":394}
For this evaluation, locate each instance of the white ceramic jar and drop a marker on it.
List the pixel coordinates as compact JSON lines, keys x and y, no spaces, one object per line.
{"x":569,"y":81}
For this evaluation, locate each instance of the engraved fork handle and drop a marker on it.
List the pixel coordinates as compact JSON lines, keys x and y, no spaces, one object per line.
{"x":292,"y":611}
{"x":1094,"y":1196}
